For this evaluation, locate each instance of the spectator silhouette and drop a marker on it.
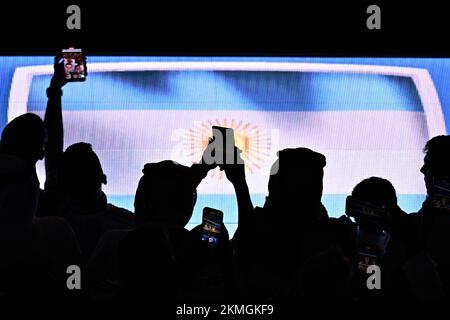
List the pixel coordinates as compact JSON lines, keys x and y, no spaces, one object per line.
{"x":74,"y":179}
{"x":25,"y":137}
{"x":35,"y":251}
{"x":164,"y":202}
{"x":165,"y":194}
{"x":165,"y":198}
{"x":214,"y":276}
{"x":433,"y":218}
{"x":398,"y":243}
{"x":269,"y":243}
{"x":375,"y":235}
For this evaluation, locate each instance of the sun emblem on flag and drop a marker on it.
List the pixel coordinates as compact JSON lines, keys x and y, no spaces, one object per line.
{"x":253,"y":141}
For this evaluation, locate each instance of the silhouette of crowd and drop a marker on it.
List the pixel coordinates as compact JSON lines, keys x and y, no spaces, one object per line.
{"x":288,"y":249}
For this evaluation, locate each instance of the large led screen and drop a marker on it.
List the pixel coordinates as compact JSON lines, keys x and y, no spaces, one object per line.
{"x":369,"y":117}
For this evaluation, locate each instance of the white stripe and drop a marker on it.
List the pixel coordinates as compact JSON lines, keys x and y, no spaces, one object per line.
{"x":357,"y":144}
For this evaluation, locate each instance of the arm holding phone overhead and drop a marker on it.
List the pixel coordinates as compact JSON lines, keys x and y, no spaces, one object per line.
{"x":53,"y":114}
{"x":54,"y":124}
{"x":235,"y":171}
{"x":200,"y":170}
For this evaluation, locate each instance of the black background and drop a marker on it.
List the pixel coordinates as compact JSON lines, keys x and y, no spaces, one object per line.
{"x":225,"y":28}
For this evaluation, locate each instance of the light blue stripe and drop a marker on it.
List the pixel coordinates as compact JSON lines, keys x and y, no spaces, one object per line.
{"x":334,"y":203}
{"x":233,"y":90}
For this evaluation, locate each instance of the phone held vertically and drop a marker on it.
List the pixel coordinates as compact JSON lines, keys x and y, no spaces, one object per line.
{"x":224,"y":141}
{"x":74,"y":65}
{"x":212,"y":224}
{"x":372,"y":240}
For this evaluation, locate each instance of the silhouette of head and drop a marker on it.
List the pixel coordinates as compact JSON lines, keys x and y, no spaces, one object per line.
{"x":24,"y":137}
{"x":297,"y":176}
{"x":165,"y":193}
{"x":80,"y":173}
{"x":19,"y":190}
{"x":437,"y":160}
{"x":377,"y":191}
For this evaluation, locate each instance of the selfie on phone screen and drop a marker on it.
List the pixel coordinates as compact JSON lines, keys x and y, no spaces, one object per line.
{"x":74,"y":64}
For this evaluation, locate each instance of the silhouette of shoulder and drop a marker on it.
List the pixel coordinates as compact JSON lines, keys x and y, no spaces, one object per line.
{"x":55,"y":237}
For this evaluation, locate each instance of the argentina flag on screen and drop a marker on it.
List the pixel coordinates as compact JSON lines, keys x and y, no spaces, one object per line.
{"x":366,"y":120}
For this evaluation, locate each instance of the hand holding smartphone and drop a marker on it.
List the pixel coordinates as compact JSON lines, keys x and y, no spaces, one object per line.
{"x":211,"y":225}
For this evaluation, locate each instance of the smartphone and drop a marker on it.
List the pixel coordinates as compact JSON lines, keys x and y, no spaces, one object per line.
{"x":211,"y":225}
{"x":367,"y":256}
{"x":360,"y":209}
{"x":224,"y":138}
{"x":74,"y":65}
{"x":441,"y":195}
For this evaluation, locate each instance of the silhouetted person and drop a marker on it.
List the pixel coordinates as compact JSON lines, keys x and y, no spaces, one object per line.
{"x":73,"y":187}
{"x":165,"y":194}
{"x":165,"y":197}
{"x":214,"y":276}
{"x":35,"y":251}
{"x":164,"y":201}
{"x":25,"y":137}
{"x":269,"y":242}
{"x":433,"y":218}
{"x":394,"y":240}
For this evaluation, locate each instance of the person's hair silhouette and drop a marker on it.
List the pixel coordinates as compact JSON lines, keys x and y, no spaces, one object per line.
{"x":376,"y":190}
{"x":165,"y":194}
{"x":80,"y":173}
{"x":379,"y":192}
{"x":24,"y":137}
{"x":296,"y":181}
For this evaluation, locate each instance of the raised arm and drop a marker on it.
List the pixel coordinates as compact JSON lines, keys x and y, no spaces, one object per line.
{"x":54,"y":123}
{"x":236,"y":175}
{"x":201,"y":169}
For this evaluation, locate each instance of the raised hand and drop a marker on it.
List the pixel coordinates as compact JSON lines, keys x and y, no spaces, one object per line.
{"x":235,"y":172}
{"x":58,"y":79}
